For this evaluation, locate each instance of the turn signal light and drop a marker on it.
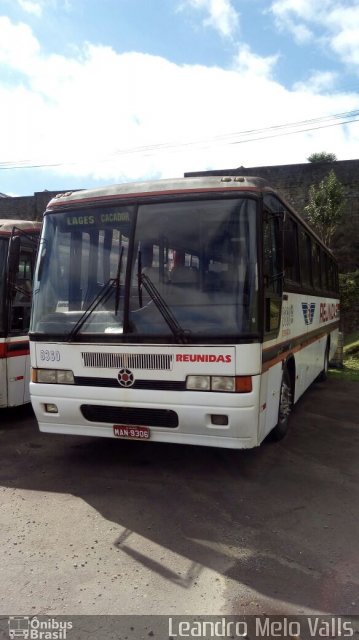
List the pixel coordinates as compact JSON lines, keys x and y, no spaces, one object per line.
{"x":244,"y":384}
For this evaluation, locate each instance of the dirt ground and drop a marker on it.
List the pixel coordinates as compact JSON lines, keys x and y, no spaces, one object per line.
{"x":98,"y":526}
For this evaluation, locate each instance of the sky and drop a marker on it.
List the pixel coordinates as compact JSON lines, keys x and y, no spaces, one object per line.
{"x":96,"y":92}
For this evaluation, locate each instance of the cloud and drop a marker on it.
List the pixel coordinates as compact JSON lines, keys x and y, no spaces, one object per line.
{"x":344,"y":24}
{"x":248,"y":62}
{"x":113,"y":117}
{"x":38,"y":7}
{"x":317,"y":81}
{"x":221,"y":15}
{"x":332,"y":23}
{"x":18,"y":47}
{"x":29,"y":6}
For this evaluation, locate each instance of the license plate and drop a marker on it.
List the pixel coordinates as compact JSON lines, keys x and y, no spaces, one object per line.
{"x":131,"y":432}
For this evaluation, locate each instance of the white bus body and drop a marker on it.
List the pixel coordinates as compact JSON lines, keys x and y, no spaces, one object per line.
{"x":18,"y":245}
{"x":212,"y":346}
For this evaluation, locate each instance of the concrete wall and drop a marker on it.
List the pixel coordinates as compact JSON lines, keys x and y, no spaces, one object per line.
{"x":26,"y":207}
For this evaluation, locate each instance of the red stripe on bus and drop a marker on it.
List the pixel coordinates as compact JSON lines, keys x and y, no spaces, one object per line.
{"x":283,"y":356}
{"x":21,"y":349}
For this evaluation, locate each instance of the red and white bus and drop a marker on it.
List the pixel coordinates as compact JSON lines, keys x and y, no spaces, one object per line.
{"x":18,"y":246}
{"x":191,"y":311}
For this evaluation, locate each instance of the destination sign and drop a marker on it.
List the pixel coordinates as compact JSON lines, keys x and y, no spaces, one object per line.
{"x":99,"y":218}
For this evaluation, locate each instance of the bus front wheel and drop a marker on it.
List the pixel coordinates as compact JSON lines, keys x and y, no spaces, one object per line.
{"x":285,"y":407}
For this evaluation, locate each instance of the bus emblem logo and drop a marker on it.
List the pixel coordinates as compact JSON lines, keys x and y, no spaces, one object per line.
{"x":308,"y":312}
{"x":125,"y":378}
{"x":19,"y":627}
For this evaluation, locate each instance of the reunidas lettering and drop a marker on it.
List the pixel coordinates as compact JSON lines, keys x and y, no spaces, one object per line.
{"x":202,"y":357}
{"x":329,"y":311}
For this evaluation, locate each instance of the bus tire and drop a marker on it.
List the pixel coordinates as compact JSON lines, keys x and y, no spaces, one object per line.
{"x":324,"y":373}
{"x":285,"y":407}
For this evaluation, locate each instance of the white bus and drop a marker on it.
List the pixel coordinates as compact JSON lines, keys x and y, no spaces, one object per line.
{"x":18,"y":246}
{"x":191,"y":311}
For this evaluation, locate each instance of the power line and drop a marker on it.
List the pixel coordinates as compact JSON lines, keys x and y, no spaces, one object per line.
{"x":227,"y":138}
{"x":239,"y":137}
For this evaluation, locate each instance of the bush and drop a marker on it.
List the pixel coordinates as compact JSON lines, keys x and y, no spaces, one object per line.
{"x":349,"y":290}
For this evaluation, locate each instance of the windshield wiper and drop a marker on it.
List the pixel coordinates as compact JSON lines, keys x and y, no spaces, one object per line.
{"x":180,"y":334}
{"x":139,"y":283}
{"x":117,"y":281}
{"x":101,"y":297}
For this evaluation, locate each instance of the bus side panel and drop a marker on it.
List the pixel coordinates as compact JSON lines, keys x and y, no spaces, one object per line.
{"x":304,"y":359}
{"x":3,"y":383}
{"x":16,"y":368}
{"x":269,"y":400}
{"x":27,"y":379}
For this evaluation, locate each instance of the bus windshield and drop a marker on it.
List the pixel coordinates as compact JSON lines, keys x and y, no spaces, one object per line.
{"x":4,"y":244}
{"x":166,"y":271}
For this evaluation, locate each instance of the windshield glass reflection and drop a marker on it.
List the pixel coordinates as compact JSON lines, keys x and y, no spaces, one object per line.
{"x":189,"y":271}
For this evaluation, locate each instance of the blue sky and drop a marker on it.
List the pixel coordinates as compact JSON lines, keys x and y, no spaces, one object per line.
{"x":95,"y":92}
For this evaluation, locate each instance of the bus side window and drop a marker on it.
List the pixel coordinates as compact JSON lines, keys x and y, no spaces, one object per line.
{"x":273,"y":273}
{"x":317,"y":282}
{"x":305,"y":257}
{"x":22,"y":289}
{"x":324,"y":270}
{"x":291,"y":257}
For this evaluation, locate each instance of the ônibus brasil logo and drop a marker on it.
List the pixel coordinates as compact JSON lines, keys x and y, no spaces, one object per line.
{"x":33,"y":628}
{"x":308,"y":312}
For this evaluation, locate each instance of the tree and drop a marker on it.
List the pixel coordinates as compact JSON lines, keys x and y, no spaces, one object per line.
{"x":325,"y":208}
{"x":349,"y":290}
{"x":322,"y":156}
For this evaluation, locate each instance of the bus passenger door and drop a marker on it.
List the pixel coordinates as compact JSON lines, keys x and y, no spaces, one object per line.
{"x":272,"y":308}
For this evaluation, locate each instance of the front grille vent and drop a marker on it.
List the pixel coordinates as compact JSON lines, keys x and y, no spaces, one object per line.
{"x":152,"y":385}
{"x":149,"y":361}
{"x":130,"y":415}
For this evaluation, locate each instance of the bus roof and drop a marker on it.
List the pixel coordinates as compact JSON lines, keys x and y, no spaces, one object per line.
{"x":158,"y":187}
{"x":187,"y":185}
{"x":27,"y":226}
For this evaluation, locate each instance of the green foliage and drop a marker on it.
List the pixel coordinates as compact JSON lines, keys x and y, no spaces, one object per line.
{"x":325,"y":208}
{"x":322,"y":156}
{"x":349,"y":290}
{"x":350,"y":370}
{"x":351,"y":339}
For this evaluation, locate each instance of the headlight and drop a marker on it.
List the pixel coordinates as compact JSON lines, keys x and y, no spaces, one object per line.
{"x":227,"y":384}
{"x":52,"y":376}
{"x":223,"y":383}
{"x":198,"y":383}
